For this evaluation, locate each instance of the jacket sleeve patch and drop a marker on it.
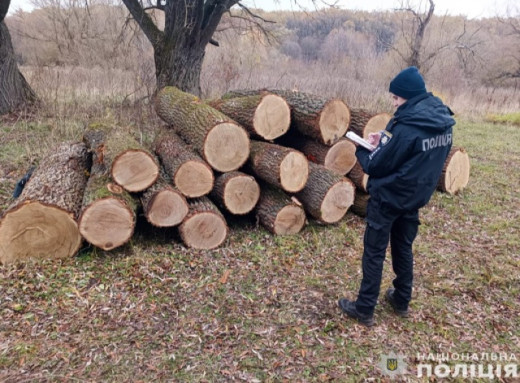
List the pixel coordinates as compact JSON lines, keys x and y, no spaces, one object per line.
{"x":385,"y":137}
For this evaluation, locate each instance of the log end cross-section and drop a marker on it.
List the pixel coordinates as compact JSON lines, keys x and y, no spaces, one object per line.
{"x":36,"y":230}
{"x":167,"y":208}
{"x":341,"y":157}
{"x":334,"y":121}
{"x":455,"y":175}
{"x":294,"y":172}
{"x":289,"y":220}
{"x":135,"y":170}
{"x":194,"y":178}
{"x":272,"y":117}
{"x":226,"y":147}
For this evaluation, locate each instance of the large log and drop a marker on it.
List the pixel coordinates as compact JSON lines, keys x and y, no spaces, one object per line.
{"x":278,"y":165}
{"x":189,"y":173}
{"x":41,"y":222}
{"x":455,"y":173}
{"x":237,"y":192}
{"x":267,"y":116}
{"x":108,"y":211}
{"x":204,"y":227}
{"x":359,"y":177}
{"x":327,"y":195}
{"x":359,"y":206}
{"x":163,"y":205}
{"x":340,"y":157}
{"x":221,"y":142}
{"x":131,"y":165}
{"x":279,"y":213}
{"x":363,"y":122}
{"x":323,"y":119}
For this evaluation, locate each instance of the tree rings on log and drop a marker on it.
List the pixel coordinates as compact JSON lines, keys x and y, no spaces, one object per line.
{"x":340,"y":157}
{"x":204,"y":227}
{"x":226,"y":147}
{"x":455,"y":174}
{"x":363,"y":122}
{"x":163,"y":205}
{"x":135,"y":170}
{"x":237,"y":192}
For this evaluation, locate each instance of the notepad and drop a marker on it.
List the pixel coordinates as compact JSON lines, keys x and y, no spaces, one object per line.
{"x":359,"y":140}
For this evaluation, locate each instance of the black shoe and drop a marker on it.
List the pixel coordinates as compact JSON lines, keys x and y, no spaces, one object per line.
{"x":349,"y":308}
{"x":389,"y":296}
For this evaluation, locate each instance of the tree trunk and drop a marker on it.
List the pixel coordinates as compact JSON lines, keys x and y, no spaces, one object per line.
{"x":359,"y":206}
{"x":455,"y":174}
{"x":163,"y":205}
{"x":221,"y":142}
{"x":267,"y":116}
{"x":359,"y":177}
{"x":41,"y":223}
{"x":279,"y":213}
{"x":189,"y":173}
{"x":204,"y":227}
{"x":325,"y":120}
{"x":327,"y":195}
{"x":15,"y":92}
{"x":278,"y":165}
{"x":363,"y":122}
{"x":237,"y":192}
{"x":131,"y":165}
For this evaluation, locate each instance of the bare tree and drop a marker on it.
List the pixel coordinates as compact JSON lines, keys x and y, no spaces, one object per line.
{"x":513,"y":22}
{"x":15,"y":92}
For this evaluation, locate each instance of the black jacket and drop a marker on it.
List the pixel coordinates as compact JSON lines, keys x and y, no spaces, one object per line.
{"x":405,"y":167}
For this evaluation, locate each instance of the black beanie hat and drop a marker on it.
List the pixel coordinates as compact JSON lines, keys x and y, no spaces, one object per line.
{"x":408,"y":83}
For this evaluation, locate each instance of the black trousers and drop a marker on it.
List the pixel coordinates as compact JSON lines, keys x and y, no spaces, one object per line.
{"x":385,"y":224}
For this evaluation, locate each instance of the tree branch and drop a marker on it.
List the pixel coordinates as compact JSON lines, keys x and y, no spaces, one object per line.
{"x":143,"y":19}
{"x":4,"y":7}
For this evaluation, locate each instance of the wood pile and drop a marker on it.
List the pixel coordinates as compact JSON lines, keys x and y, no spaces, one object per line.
{"x":278,"y":155}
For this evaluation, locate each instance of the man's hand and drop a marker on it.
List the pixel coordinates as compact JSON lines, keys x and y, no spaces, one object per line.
{"x":373,"y":138}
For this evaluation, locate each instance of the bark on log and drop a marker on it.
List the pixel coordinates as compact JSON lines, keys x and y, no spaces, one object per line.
{"x":237,"y":192}
{"x":221,"y":142}
{"x":41,"y":223}
{"x":325,"y":120}
{"x":130,"y":164}
{"x":204,"y":227}
{"x":163,"y":205}
{"x":189,"y":173}
{"x":359,"y":206}
{"x":279,"y":213}
{"x":327,"y":195}
{"x":340,"y":157}
{"x":363,"y":122}
{"x":267,"y":116}
{"x":278,"y":165}
{"x":455,"y":174}
{"x":359,"y":177}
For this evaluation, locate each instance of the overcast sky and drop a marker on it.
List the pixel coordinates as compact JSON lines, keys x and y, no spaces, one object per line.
{"x":470,"y":8}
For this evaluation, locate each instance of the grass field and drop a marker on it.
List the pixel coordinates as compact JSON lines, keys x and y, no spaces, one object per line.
{"x":263,"y":308}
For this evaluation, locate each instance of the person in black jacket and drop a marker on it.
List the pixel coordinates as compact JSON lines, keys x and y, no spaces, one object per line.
{"x":403,"y":170}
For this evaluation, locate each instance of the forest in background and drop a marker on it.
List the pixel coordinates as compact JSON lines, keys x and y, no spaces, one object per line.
{"x":74,"y":54}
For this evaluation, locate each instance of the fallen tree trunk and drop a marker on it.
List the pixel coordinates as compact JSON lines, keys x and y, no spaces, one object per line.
{"x":131,"y":165}
{"x":109,"y":212}
{"x":325,"y":120}
{"x":327,"y":195}
{"x":279,"y":213}
{"x":455,"y":173}
{"x":340,"y":157}
{"x":359,"y":177}
{"x":267,"y":116}
{"x":41,"y":223}
{"x":359,"y":206}
{"x":204,"y":226}
{"x":363,"y":122}
{"x":163,"y":205}
{"x":221,"y":142}
{"x":189,"y":173}
{"x":278,"y":165}
{"x":237,"y":192}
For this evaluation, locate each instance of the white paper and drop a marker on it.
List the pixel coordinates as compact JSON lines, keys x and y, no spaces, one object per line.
{"x":358,"y":140}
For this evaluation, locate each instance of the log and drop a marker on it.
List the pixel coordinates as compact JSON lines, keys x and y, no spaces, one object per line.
{"x":279,"y":213}
{"x":204,"y":227}
{"x":278,"y":165}
{"x":323,"y":119}
{"x":363,"y":122}
{"x":41,"y":222}
{"x":359,"y":206}
{"x":131,"y":165}
{"x":163,"y":205}
{"x":189,"y":173}
{"x":266,"y":116}
{"x":455,"y":173}
{"x":359,"y":177}
{"x":327,"y":195}
{"x":340,"y":157}
{"x":237,"y":192}
{"x":108,"y":211}
{"x":221,"y":142}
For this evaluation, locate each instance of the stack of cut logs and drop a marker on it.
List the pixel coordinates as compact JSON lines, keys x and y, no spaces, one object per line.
{"x":279,"y":154}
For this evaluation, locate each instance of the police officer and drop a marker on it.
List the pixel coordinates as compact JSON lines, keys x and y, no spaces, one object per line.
{"x":403,"y":173}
